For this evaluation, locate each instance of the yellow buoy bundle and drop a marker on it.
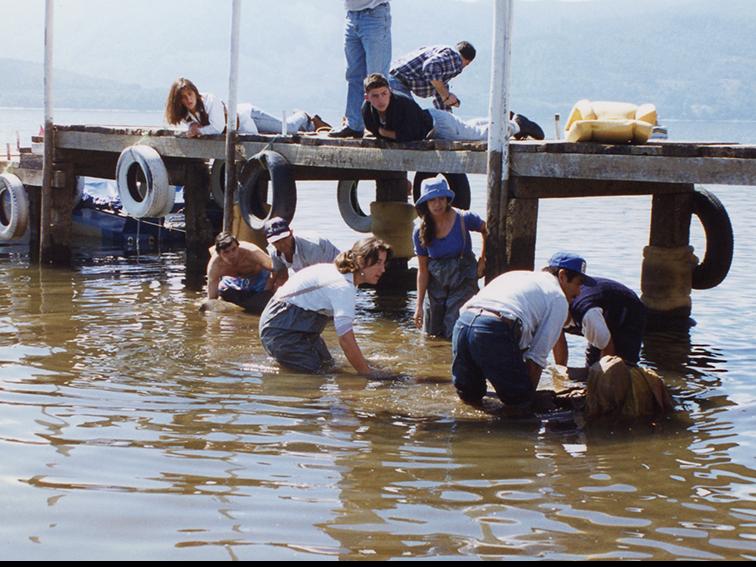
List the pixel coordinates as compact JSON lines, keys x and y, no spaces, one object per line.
{"x":620,"y":390}
{"x":610,"y":122}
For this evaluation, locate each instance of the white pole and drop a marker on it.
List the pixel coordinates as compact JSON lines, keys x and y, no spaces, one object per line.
{"x":497,"y":183}
{"x":46,"y":243}
{"x":233,"y":79}
{"x":49,"y":9}
{"x":498,"y":107}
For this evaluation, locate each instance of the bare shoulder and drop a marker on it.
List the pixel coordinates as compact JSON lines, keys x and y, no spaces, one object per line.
{"x":250,"y":246}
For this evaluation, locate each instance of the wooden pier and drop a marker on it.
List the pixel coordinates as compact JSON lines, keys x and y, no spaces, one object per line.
{"x":538,"y":170}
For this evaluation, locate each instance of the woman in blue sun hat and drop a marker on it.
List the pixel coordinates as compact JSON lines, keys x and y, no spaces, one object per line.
{"x":448,"y":271}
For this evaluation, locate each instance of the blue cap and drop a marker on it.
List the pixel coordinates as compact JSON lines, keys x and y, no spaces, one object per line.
{"x":434,"y":188}
{"x":572,"y":262}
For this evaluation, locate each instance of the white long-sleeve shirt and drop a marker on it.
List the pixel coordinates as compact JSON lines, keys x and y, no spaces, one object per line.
{"x":537,"y":300}
{"x":217,"y":117}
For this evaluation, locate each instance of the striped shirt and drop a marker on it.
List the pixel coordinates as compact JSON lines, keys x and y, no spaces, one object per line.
{"x":436,"y":63}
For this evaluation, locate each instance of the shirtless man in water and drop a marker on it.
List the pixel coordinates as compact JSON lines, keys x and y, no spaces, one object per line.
{"x":239,"y":272}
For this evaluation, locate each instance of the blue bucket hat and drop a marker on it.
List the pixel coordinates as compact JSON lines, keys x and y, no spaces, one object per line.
{"x":572,"y":262}
{"x":432,"y":189}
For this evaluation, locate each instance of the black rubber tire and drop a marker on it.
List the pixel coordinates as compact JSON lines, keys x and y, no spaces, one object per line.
{"x":713,"y":269}
{"x":458,"y":183}
{"x":349,"y":207}
{"x":253,"y":190}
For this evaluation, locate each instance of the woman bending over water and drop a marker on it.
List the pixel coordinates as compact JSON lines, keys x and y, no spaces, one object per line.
{"x":293,"y":320}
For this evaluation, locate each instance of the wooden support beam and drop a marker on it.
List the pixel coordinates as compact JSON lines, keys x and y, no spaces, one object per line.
{"x":670,"y":218}
{"x":557,"y":188}
{"x":725,"y":171}
{"x":199,"y":231}
{"x":55,"y":225}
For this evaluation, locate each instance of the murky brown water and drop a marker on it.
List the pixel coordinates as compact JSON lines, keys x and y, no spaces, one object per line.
{"x":131,"y":426}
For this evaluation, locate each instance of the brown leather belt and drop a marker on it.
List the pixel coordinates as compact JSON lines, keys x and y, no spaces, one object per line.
{"x":514,"y":324}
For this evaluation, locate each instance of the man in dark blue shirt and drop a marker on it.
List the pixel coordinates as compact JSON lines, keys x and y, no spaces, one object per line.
{"x":611,"y":317}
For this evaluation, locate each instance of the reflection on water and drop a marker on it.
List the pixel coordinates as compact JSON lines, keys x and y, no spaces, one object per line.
{"x":133,"y":427}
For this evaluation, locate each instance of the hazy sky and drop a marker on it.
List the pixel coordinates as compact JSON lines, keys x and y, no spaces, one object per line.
{"x":291,"y":48}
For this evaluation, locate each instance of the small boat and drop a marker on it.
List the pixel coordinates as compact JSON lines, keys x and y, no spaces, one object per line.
{"x":98,"y":215}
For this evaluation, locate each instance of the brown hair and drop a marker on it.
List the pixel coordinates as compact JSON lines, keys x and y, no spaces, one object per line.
{"x":175,"y":111}
{"x":224,"y":240}
{"x":427,"y":224}
{"x":368,"y":250}
{"x":375,"y":81}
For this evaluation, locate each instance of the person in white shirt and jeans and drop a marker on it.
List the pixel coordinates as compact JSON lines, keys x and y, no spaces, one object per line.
{"x":505,"y":332}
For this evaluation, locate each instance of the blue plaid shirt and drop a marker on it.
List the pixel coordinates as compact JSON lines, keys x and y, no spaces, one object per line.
{"x":436,"y":63}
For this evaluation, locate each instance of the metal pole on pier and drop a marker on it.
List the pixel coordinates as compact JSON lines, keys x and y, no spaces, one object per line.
{"x":497,"y":186}
{"x":231,"y":135}
{"x":45,"y":228}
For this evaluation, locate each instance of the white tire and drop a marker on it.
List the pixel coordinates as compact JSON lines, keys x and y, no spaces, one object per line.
{"x":14,"y":207}
{"x":151,"y":196}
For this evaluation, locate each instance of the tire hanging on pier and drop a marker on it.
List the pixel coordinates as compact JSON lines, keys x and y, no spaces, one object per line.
{"x":349,"y":207}
{"x":713,"y":269}
{"x":458,"y":183}
{"x":218,"y":181}
{"x":253,"y":191}
{"x":142,"y":181}
{"x":14,"y":207}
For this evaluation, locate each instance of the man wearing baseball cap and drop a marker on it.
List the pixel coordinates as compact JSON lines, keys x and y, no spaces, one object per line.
{"x":612,"y":319}
{"x":294,"y":252}
{"x":505,"y":332}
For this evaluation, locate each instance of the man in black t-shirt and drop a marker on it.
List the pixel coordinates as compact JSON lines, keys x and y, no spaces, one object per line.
{"x":394,"y":116}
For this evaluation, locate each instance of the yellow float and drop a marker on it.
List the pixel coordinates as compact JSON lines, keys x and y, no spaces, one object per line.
{"x":610,"y":122}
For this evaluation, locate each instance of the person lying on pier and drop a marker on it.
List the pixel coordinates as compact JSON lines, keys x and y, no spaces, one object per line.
{"x":505,"y":332}
{"x":206,"y":115}
{"x":239,"y":272}
{"x":611,"y":317}
{"x":294,"y":252}
{"x":394,"y":116}
{"x":426,"y":72}
{"x":292,"y":322}
{"x":448,"y":272}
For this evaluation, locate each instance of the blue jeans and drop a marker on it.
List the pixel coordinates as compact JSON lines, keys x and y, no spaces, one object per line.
{"x":446,"y":126}
{"x":266,"y":123}
{"x":485,"y":347}
{"x":367,"y":46}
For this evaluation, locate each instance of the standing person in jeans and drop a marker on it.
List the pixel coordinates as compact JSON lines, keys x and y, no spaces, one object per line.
{"x":391,"y":115}
{"x":367,"y":47}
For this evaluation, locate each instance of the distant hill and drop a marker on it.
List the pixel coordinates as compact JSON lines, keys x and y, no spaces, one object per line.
{"x":692,"y":58}
{"x":24,"y":87}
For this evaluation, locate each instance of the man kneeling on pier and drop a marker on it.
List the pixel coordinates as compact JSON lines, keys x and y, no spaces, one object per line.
{"x":394,"y":116}
{"x":504,"y":333}
{"x":239,"y":272}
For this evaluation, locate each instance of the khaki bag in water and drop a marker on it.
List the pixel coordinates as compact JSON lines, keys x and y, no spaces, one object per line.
{"x":610,"y":122}
{"x":615,"y":388}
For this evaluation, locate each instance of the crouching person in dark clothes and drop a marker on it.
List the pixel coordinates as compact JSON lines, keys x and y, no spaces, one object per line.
{"x":505,"y":332}
{"x":239,"y":272}
{"x":611,"y":317}
{"x":291,"y":325}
